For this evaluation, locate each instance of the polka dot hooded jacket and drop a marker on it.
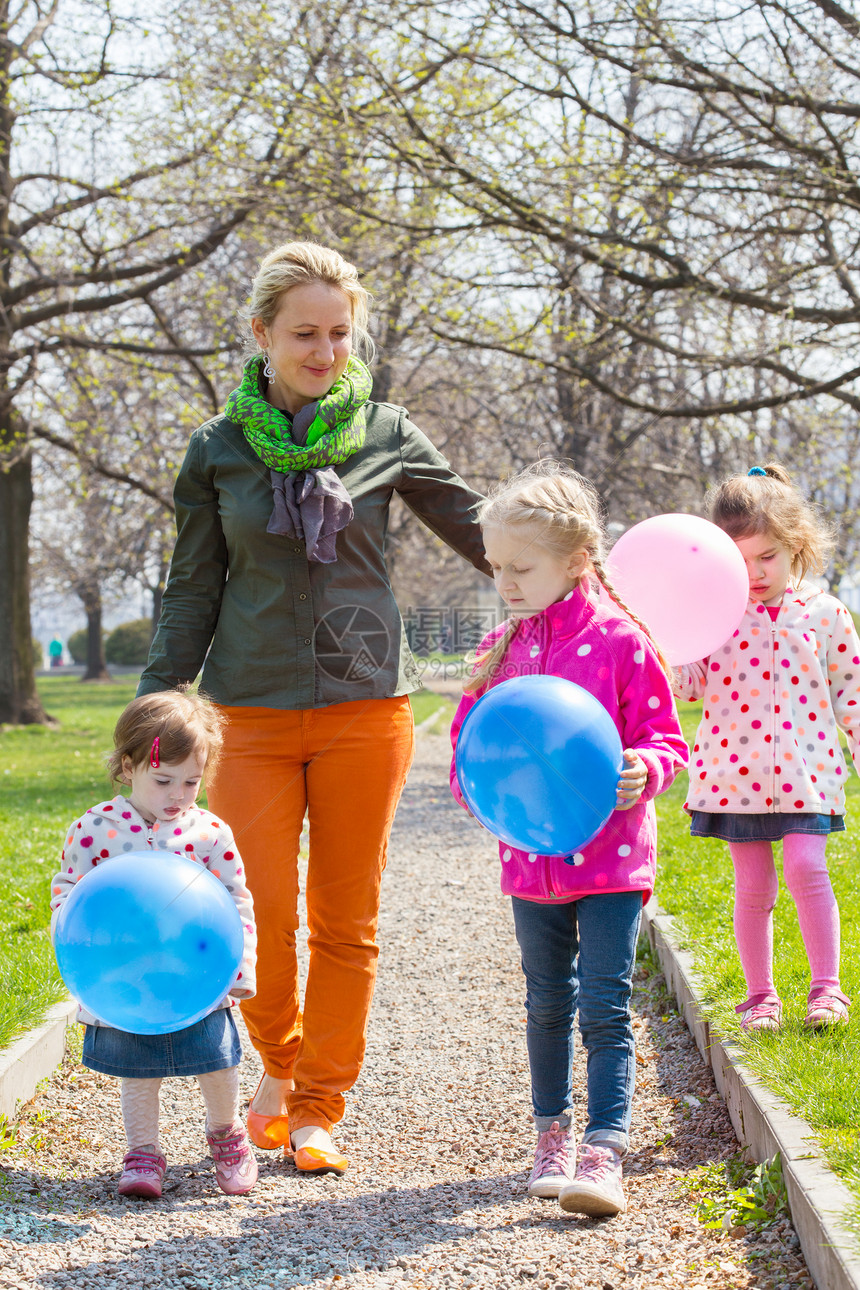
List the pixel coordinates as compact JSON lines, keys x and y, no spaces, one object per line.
{"x":774,"y":697}
{"x":592,"y":644}
{"x":115,"y":827}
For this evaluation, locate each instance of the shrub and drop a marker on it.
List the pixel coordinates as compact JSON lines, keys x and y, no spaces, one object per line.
{"x":77,"y":646}
{"x":129,"y":643}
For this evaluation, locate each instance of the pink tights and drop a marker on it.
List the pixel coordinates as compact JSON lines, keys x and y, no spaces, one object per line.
{"x":756,"y":887}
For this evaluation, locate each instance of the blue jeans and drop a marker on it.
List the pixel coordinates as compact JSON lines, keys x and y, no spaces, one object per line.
{"x":581,"y":954}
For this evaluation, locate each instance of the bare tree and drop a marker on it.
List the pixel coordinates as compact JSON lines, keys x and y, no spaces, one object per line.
{"x":129,"y":158}
{"x":91,"y":538}
{"x":665,"y":203}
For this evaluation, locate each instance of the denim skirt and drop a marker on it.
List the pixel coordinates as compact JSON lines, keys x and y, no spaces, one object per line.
{"x":211,"y":1044}
{"x":767,"y":827}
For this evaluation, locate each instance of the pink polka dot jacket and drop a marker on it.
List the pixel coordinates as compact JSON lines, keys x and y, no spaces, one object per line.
{"x":774,"y":698}
{"x":114,"y":827}
{"x":604,"y":652}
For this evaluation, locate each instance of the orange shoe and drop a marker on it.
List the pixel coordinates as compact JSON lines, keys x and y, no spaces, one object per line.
{"x":314,"y":1160}
{"x":268,"y":1132}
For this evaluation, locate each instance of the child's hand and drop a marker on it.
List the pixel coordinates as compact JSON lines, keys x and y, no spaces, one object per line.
{"x":458,"y":796}
{"x":632,"y":783}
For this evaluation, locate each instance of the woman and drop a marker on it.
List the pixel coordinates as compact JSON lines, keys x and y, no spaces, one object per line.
{"x":279,"y":573}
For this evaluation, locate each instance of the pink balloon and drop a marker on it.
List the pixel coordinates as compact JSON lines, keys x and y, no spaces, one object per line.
{"x":686,"y":579}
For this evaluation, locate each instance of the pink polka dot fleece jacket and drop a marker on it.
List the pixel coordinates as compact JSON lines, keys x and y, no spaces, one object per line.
{"x":114,"y":827}
{"x":774,"y":697}
{"x":592,"y":644}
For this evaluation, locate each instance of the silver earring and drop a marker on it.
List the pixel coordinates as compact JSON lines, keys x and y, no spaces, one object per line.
{"x":268,"y":370}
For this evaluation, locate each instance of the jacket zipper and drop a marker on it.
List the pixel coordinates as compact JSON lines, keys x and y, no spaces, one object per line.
{"x":543,"y":668}
{"x":546,"y":877}
{"x":774,"y":725}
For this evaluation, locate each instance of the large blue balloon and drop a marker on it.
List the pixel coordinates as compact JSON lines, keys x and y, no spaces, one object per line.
{"x":149,"y":942}
{"x":538,"y":760}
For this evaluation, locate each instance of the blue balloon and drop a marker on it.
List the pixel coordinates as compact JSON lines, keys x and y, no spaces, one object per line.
{"x":149,"y":942}
{"x":538,"y":760}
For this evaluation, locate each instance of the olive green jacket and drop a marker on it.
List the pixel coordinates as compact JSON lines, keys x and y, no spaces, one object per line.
{"x":269,"y":628}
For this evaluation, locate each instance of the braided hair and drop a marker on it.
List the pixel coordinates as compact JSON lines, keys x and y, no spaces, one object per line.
{"x":564,"y":509}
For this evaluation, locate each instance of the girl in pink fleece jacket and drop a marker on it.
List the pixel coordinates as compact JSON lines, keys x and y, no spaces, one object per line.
{"x":577,"y":916}
{"x":767,"y":764}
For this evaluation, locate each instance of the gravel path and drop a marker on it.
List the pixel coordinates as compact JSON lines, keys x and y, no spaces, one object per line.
{"x":438,"y":1129}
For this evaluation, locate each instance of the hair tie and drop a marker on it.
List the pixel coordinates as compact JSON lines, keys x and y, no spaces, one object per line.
{"x":756,"y":470}
{"x":153,"y":754}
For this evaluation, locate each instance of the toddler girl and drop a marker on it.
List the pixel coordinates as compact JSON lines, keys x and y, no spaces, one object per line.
{"x":577,"y":916}
{"x":767,"y":765}
{"x":162,"y":744}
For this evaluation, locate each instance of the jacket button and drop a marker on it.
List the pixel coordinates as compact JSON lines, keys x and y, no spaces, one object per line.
{"x":298,"y":550}
{"x":302,"y":596}
{"x":307,"y":640}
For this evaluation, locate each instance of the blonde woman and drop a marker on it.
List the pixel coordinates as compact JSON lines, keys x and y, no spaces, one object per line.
{"x":304,"y":652}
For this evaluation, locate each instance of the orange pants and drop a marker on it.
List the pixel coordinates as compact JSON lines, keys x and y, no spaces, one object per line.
{"x":346,"y":766}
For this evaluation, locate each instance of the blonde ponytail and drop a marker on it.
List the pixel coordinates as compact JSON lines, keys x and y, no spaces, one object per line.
{"x":483,"y":668}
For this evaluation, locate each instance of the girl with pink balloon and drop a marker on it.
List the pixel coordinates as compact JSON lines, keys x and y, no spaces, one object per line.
{"x":767,"y":765}
{"x":577,"y":915}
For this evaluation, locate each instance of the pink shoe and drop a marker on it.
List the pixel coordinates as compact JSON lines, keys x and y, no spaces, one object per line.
{"x":766,"y":1015}
{"x":235,"y":1162}
{"x":554,"y":1162}
{"x":142,"y":1173}
{"x":827,"y":1009}
{"x":596,"y":1190}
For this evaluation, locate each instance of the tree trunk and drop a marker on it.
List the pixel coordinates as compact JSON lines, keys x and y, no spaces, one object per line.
{"x":19,"y":702}
{"x":96,"y":662}
{"x":157,"y":597}
{"x":382,"y":383}
{"x":158,"y":593}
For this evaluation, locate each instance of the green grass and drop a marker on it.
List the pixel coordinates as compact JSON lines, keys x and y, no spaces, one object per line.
{"x":817,"y":1074}
{"x":425,"y":704}
{"x":49,"y":776}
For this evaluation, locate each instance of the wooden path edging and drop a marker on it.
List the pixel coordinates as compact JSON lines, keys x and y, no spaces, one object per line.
{"x":765,"y":1124}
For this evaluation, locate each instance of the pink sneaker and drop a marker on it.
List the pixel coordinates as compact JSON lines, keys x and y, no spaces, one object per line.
{"x":554,"y":1162}
{"x":235,"y":1162}
{"x":142,"y":1173}
{"x":596,"y":1189}
{"x":827,"y":1009}
{"x":762,"y":1016}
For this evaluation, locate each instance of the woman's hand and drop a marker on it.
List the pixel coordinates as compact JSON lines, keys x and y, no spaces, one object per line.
{"x":631,"y":784}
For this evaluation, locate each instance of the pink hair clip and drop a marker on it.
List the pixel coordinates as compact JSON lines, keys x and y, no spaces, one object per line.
{"x":153,"y":754}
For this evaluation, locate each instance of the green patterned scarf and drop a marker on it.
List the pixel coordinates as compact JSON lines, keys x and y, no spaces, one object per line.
{"x":336,"y":432}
